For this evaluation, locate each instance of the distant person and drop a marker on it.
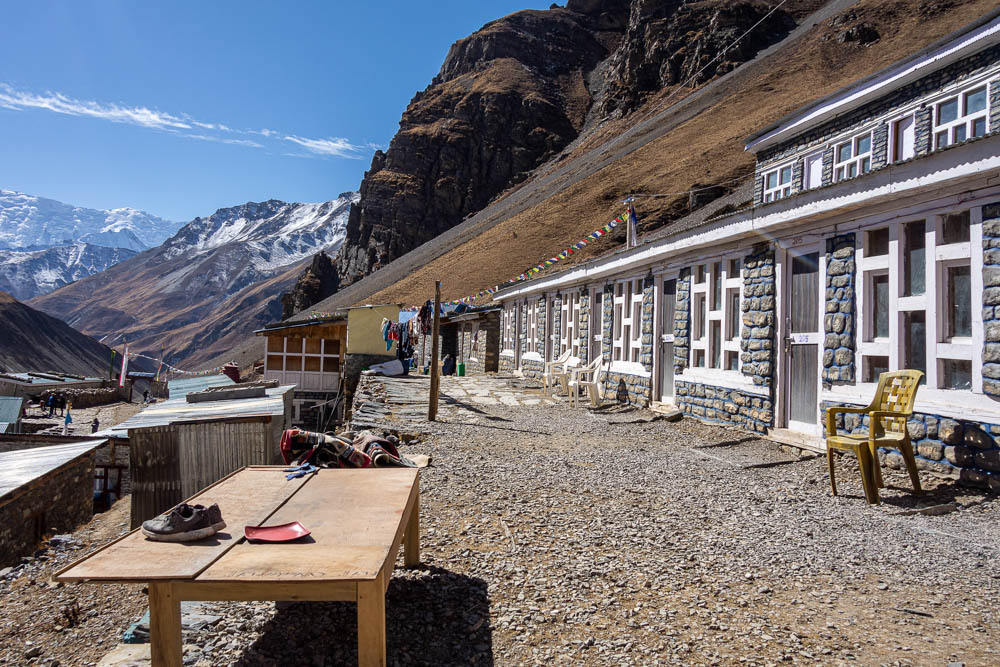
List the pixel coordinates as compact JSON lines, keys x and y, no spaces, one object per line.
{"x":61,"y":404}
{"x":145,"y":396}
{"x":448,"y":367}
{"x":95,"y":425}
{"x":52,"y":405}
{"x":68,"y":420}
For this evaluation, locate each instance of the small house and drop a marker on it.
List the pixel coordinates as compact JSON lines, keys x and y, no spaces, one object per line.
{"x":471,"y":336}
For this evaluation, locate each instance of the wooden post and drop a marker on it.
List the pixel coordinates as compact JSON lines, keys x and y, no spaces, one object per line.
{"x":432,"y":406}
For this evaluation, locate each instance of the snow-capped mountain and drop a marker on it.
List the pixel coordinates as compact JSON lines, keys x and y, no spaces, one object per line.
{"x":27,"y":274}
{"x":214,"y":281}
{"x":34,"y":223}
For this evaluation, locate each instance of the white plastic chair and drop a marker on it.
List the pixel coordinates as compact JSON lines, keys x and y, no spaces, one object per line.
{"x":588,"y":377}
{"x":549,"y":378}
{"x":563,"y":376}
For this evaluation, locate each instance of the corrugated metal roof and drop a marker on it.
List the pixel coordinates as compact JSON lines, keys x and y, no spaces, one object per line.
{"x":10,"y":408}
{"x":177,"y":410}
{"x":28,"y":379}
{"x":181,"y":388}
{"x":19,"y":467}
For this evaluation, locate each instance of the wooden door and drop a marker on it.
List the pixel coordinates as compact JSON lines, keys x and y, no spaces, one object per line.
{"x":802,"y":342}
{"x":668,"y":302}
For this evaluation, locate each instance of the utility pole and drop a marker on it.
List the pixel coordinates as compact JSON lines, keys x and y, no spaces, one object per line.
{"x":432,"y":407}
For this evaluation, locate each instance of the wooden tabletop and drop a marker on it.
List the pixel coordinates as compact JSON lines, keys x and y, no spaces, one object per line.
{"x":355,"y":517}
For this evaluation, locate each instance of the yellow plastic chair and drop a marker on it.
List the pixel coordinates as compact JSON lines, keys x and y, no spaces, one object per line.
{"x":887,"y":414}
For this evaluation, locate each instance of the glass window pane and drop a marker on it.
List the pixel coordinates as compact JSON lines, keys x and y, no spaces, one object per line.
{"x":772,"y":180}
{"x":715,"y":343}
{"x":959,"y":301}
{"x":864,"y":144}
{"x":866,"y":165}
{"x":852,"y":170}
{"x":701,"y":274}
{"x":975,"y":101}
{"x":878,"y":242}
{"x":880,"y":306}
{"x":699,"y":358}
{"x":941,"y":139}
{"x":717,"y":286}
{"x":913,"y":259}
{"x":843,"y":152}
{"x":957,"y":374}
{"x":959,"y":134}
{"x":734,"y":268}
{"x":699,"y":316}
{"x":979,"y":127}
{"x":733,"y":361}
{"x":875,"y":366}
{"x":915,"y":340}
{"x":947,"y":111}
{"x":733,"y":316}
{"x":955,"y":228}
{"x":786,"y":175}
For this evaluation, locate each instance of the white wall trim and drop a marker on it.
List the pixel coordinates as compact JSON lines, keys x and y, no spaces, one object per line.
{"x":719,"y":378}
{"x":531,"y":356}
{"x":629,"y":368}
{"x":956,"y":403}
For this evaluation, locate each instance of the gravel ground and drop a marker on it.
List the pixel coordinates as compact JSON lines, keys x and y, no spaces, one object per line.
{"x":553,"y":536}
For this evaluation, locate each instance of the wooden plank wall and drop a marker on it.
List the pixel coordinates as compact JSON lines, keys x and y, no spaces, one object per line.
{"x":155,"y":471}
{"x":209,"y":451}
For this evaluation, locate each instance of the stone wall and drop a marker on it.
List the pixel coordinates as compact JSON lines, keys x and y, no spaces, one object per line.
{"x":995,"y":105}
{"x":922,"y":132}
{"x":682,"y":321}
{"x":583,"y":327}
{"x":85,"y":398}
{"x":963,"y":450}
{"x":507,"y":363}
{"x":991,"y":299}
{"x":55,"y":503}
{"x":758,"y":331}
{"x":626,"y":388}
{"x":839,"y":320}
{"x":750,"y":412}
{"x":880,"y":146}
{"x":648,"y":300}
{"x":607,"y":322}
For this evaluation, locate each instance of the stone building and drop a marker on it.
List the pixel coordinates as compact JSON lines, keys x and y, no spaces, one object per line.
{"x":44,"y":490}
{"x":872,"y":243}
{"x":472,"y":337}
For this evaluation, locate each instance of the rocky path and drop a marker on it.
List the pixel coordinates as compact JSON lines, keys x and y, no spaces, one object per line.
{"x":551,"y":535}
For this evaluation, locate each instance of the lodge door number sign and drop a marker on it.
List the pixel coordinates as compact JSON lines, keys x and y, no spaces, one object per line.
{"x":811,"y":337}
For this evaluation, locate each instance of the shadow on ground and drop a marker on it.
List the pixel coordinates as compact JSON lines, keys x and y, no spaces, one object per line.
{"x":434,"y":618}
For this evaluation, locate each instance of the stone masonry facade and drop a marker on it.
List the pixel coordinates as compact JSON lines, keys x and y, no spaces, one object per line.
{"x":55,"y":503}
{"x":758,"y":331}
{"x":744,"y":410}
{"x":839,"y":318}
{"x":991,"y":299}
{"x":682,"y":321}
{"x":583,"y":327}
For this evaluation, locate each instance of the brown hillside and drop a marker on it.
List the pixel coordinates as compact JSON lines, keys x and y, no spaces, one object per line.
{"x":706,"y":149}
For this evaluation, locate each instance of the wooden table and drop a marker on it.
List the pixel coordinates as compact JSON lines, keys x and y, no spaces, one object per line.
{"x":358,"y":520}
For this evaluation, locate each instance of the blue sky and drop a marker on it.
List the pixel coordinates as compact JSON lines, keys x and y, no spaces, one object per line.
{"x":179,"y":108}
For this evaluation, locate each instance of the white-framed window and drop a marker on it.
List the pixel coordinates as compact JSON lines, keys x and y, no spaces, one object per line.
{"x":778,"y":183}
{"x":916,"y":282}
{"x":509,"y":324}
{"x":716,"y":314}
{"x":627,"y":329}
{"x":812,"y":171}
{"x":852,"y":157}
{"x":531,"y":320}
{"x":962,"y":116}
{"x":903,"y":135}
{"x":569,"y":337}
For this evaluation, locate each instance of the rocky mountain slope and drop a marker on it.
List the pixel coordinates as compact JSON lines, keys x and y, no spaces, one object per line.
{"x":45,"y":244}
{"x":678,"y":138}
{"x":34,"y":341}
{"x":518,"y":91}
{"x":215,"y":281}
{"x":27,"y":274}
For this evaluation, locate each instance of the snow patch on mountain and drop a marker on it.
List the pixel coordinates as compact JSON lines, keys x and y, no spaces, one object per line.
{"x":28,"y":222}
{"x":27,"y":274}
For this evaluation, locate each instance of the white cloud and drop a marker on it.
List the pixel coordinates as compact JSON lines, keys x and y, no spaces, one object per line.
{"x":335,"y":147}
{"x":59,"y":103}
{"x":181,"y":125}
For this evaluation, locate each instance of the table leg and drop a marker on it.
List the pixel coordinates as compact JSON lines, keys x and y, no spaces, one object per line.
{"x":164,"y":625}
{"x":371,"y":622}
{"x":411,"y":538}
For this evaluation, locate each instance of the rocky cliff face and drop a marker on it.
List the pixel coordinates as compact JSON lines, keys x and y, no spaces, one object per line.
{"x":319,"y":281}
{"x":515,"y":93}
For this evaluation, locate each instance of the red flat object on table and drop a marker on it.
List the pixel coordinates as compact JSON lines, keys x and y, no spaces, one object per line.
{"x":286,"y":532}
